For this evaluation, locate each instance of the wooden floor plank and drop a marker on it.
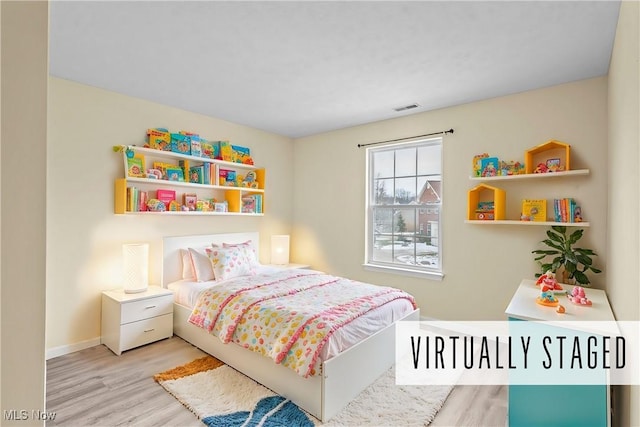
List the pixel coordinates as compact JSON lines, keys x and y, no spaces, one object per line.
{"x":94,"y":387}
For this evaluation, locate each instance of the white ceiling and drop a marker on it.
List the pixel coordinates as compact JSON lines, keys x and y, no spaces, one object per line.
{"x":302,"y":67}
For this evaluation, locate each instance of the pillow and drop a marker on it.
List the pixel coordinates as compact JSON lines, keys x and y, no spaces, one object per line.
{"x":187,"y":267}
{"x":249,"y":251}
{"x":230,"y":262}
{"x":202,"y":269}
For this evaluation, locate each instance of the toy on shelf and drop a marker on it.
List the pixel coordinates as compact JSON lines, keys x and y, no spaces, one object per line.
{"x":578,"y":297}
{"x":560,"y":309}
{"x":552,"y":156}
{"x":155,"y":205}
{"x":511,"y":168}
{"x":549,"y":279}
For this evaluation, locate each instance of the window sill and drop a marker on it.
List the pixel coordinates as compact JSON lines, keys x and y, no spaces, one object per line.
{"x":430,"y":275}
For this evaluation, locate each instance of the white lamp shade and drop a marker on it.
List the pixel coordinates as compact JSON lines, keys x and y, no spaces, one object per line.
{"x":136,"y":267}
{"x":280,"y":249}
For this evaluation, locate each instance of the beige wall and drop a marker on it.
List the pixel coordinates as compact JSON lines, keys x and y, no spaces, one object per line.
{"x":24,"y":144}
{"x":624,"y":187}
{"x":483,"y":265}
{"x":84,"y":237}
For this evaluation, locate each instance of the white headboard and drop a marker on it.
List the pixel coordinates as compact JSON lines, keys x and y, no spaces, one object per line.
{"x":172,"y":262}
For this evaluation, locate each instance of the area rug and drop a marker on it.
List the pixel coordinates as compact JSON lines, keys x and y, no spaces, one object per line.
{"x":223,"y":397}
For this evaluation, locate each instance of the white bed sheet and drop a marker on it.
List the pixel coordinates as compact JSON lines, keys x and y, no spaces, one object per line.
{"x":186,"y":293}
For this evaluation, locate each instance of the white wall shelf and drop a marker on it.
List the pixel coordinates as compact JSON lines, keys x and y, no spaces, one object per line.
{"x":232,"y":194}
{"x":562,"y":174}
{"x":531,"y":223}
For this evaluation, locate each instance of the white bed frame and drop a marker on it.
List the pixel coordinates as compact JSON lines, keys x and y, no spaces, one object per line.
{"x":342,"y":377}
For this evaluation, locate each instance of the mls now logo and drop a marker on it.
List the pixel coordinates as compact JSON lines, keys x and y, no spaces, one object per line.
{"x":16,"y":415}
{"x":23,"y":415}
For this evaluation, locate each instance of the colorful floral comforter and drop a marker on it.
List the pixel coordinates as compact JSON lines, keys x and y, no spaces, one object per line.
{"x":287,"y":316}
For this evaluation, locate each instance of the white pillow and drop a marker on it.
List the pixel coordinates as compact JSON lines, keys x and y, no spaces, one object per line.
{"x":202,"y":267}
{"x":249,"y":250}
{"x":230,"y":262}
{"x":187,"y":267}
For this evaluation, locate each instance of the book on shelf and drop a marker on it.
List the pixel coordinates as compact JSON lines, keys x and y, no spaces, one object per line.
{"x":136,"y":166}
{"x":166,"y":196}
{"x":207,"y":173}
{"x":196,"y":174}
{"x":184,"y":165}
{"x":136,"y":200}
{"x":566,"y":210}
{"x":252,"y":203}
{"x":534,"y":210}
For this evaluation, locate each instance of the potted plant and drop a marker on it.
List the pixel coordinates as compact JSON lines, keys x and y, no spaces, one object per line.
{"x":569,"y":263}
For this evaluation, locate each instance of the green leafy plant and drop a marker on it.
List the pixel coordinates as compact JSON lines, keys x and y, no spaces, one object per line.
{"x":574,"y":261}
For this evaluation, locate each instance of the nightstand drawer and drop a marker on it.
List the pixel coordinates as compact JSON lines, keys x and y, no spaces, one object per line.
{"x":146,"y":331}
{"x":146,"y":308}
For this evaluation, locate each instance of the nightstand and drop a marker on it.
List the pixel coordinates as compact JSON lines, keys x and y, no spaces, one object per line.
{"x":593,"y":401}
{"x":290,"y":266}
{"x":132,"y":320}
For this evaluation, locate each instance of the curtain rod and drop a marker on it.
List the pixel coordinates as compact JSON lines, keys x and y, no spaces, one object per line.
{"x":408,"y":137}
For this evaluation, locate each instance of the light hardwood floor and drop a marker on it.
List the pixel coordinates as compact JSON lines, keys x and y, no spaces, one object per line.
{"x":94,"y":387}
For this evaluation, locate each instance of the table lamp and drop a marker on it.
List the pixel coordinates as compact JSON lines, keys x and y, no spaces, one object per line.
{"x":280,"y":249}
{"x":136,"y":267}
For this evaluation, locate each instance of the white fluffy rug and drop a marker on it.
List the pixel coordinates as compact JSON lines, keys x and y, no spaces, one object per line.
{"x":221,"y":396}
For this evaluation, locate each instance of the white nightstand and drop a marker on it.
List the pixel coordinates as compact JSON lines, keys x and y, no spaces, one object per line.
{"x":132,"y":320}
{"x":289,"y":266}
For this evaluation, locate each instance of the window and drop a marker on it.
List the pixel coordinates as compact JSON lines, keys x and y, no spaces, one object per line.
{"x":404,"y":206}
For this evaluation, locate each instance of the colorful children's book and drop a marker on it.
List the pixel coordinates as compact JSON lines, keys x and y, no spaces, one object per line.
{"x":489,"y":166}
{"x":477,"y":165}
{"x":180,"y":143}
{"x":196,"y":148}
{"x":534,"y":210}
{"x":248,"y":204}
{"x":196,"y":174}
{"x":207,"y":173}
{"x":165,"y":196}
{"x":159,"y":139}
{"x":175,"y":173}
{"x":227,"y":177}
{"x":135,"y":166}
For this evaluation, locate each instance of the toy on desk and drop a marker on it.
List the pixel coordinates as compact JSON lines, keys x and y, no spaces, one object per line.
{"x":547,"y":298}
{"x":549,"y":279}
{"x":578,"y":297}
{"x":560,"y":309}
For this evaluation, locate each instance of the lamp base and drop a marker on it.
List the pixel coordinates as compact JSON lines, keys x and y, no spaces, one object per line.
{"x":135,"y":291}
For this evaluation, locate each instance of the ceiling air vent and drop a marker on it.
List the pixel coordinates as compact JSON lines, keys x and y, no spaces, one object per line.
{"x":406,"y":107}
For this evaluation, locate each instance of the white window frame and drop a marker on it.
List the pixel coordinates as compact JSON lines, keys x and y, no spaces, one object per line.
{"x":430,"y":272}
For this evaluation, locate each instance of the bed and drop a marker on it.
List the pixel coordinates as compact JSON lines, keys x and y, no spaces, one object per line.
{"x":342,"y":374}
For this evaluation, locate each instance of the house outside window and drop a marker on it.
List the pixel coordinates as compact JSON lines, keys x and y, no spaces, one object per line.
{"x":404,"y":205}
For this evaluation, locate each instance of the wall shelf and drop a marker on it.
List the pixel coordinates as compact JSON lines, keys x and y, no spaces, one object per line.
{"x":531,"y":223}
{"x":577,"y":172}
{"x":234,"y":196}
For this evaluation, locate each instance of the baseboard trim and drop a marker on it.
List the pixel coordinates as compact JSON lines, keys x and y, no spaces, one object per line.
{"x":71,"y":348}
